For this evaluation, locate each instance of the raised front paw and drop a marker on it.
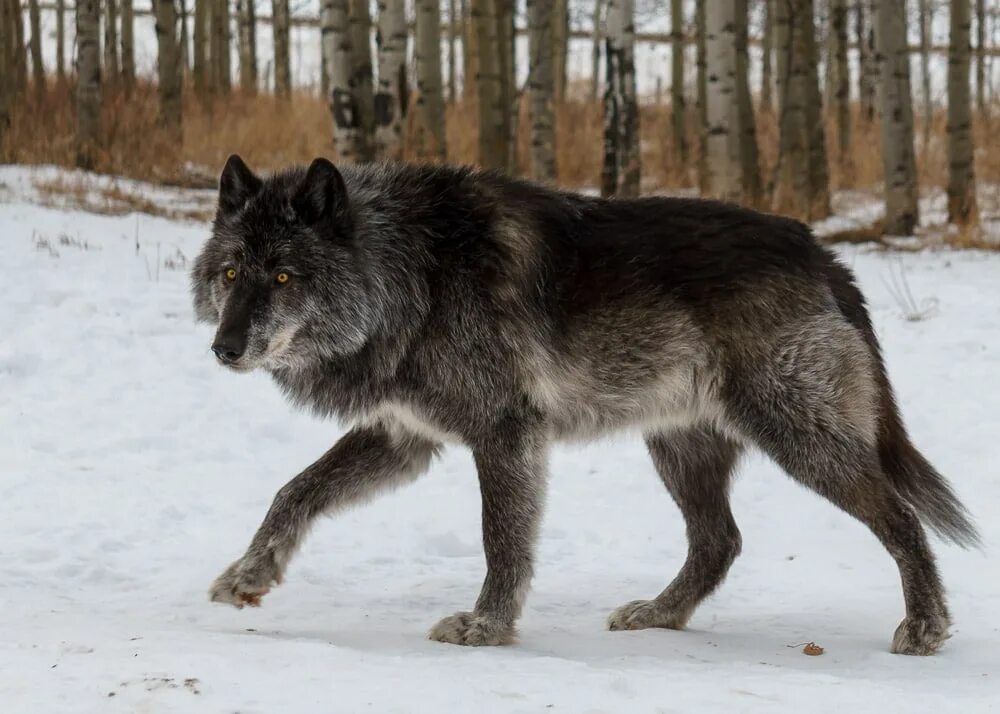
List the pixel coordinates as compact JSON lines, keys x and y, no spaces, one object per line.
{"x":245,"y":582}
{"x":468,"y":628}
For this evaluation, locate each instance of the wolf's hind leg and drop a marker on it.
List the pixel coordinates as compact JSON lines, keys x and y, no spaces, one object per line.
{"x":696,"y":465}
{"x":364,"y":462}
{"x":512,"y":470}
{"x":832,"y":451}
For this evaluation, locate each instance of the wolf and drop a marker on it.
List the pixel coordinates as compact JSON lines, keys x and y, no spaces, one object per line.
{"x":426,"y":305}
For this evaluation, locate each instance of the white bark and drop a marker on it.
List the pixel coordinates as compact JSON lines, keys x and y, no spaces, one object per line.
{"x":723,"y":145}
{"x":961,"y":174}
{"x":621,"y":171}
{"x":896,"y":108}
{"x":430,"y":139}
{"x":389,"y":107}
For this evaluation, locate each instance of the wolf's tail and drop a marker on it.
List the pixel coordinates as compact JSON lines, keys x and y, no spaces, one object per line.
{"x":913,"y":477}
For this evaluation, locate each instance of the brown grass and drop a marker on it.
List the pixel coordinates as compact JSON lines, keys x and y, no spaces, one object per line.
{"x":270,"y":133}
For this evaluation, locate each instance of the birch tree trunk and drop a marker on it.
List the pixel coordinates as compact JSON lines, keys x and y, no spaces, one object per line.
{"x":560,"y":46}
{"x":338,"y":53}
{"x":61,"y":41}
{"x":390,"y":107}
{"x":925,"y":21}
{"x":981,"y":55}
{"x":725,"y":180}
{"x":7,"y":16}
{"x":111,"y":67}
{"x":168,"y":66}
{"x":282,"y":58}
{"x":494,"y":117}
{"x":247,"y":19}
{"x":88,"y":86}
{"x":221,"y":76}
{"x":801,"y":186}
{"x":20,"y":53}
{"x":128,"y":47}
{"x":752,"y":188}
{"x":896,"y":107}
{"x":453,"y":25}
{"x":767,"y":50}
{"x":701,"y":60}
{"x":541,"y":87}
{"x":867,"y":74}
{"x":508,"y":80}
{"x":430,"y":137}
{"x":841,"y":84}
{"x":678,"y":107}
{"x":621,"y":170}
{"x":961,"y":174}
{"x":35,"y":46}
{"x":199,"y":56}
{"x":362,"y":73}
{"x":182,"y":39}
{"x":595,"y":50}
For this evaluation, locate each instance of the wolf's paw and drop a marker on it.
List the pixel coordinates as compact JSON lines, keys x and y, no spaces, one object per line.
{"x":641,"y":614}
{"x":245,"y":582}
{"x":920,"y":636}
{"x":468,"y":628}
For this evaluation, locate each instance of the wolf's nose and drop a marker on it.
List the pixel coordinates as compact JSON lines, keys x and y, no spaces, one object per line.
{"x":228,"y":353}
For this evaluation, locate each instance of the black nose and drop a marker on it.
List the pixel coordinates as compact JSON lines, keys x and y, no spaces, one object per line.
{"x":227,"y":351}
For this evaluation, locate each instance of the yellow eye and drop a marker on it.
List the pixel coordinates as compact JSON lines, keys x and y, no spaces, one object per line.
{"x":283,"y":278}
{"x":231,"y":274}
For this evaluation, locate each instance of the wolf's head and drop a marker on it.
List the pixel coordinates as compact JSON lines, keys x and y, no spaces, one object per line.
{"x":281,"y":275}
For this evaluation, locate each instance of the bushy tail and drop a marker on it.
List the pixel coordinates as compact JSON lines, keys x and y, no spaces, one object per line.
{"x":911,"y":474}
{"x":926,"y":490}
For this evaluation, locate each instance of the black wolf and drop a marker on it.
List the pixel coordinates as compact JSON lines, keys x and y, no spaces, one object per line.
{"x":430,"y":304}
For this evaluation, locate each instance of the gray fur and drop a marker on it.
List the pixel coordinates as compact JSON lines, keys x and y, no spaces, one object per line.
{"x":432,"y":305}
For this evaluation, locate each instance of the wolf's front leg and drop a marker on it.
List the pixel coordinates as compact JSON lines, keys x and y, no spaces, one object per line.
{"x":512,"y":481}
{"x":365,"y":461}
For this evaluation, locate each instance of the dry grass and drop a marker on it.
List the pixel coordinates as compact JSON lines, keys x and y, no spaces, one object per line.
{"x":270,"y":133}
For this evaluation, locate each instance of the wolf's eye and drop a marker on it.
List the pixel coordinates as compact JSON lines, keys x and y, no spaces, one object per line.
{"x":282,"y":278}
{"x":231,"y":274}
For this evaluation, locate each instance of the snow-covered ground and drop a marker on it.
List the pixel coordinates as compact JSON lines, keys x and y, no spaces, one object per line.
{"x":133,"y":469}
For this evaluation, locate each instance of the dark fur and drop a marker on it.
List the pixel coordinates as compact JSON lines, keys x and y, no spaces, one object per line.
{"x":430,"y":304}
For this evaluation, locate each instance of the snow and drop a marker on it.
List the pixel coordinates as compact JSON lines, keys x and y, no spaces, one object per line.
{"x":133,"y":470}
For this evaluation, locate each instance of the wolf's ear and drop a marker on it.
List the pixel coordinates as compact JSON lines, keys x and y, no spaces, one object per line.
{"x":237,"y":184}
{"x":322,"y":196}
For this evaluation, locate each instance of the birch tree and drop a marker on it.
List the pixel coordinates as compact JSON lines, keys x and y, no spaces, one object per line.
{"x":168,"y":66}
{"x":925,"y":21}
{"x":961,"y":174}
{"x":801,"y":184}
{"x":19,"y":50}
{"x":767,"y":51}
{"x":752,"y":188}
{"x":508,"y":77}
{"x":560,"y":45}
{"x":111,"y":66}
{"x":678,"y":107}
{"x":595,"y":49}
{"x":701,"y":60}
{"x":247,"y":19}
{"x":896,"y":109}
{"x":282,"y":58}
{"x":88,"y":85}
{"x":867,"y":73}
{"x":199,"y":55}
{"x":35,"y":46}
{"x":221,"y":69}
{"x":981,"y":55}
{"x":338,"y":54}
{"x":841,"y":82}
{"x":430,"y":136}
{"x":494,"y":116}
{"x":128,"y":46}
{"x":362,"y":79}
{"x":725,"y":179}
{"x":453,"y":25}
{"x":9,"y":11}
{"x":60,"y":41}
{"x":390,"y":104}
{"x":621,"y":169}
{"x":541,"y":87}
